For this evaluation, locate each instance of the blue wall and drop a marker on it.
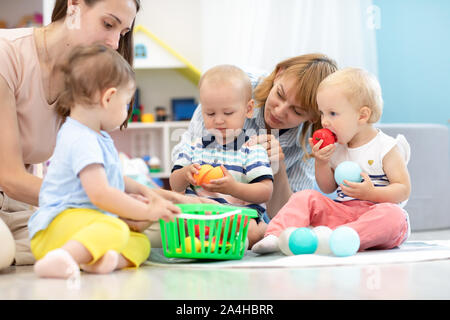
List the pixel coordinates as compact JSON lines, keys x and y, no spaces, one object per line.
{"x":413,"y":44}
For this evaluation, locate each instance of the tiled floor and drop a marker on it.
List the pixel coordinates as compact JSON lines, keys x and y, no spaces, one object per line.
{"x":423,"y":280}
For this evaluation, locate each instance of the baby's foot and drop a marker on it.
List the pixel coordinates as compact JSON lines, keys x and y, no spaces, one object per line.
{"x":57,"y":264}
{"x":106,"y":264}
{"x":267,"y":245}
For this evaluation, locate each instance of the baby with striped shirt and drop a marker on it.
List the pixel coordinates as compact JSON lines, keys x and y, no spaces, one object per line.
{"x":226,"y":100}
{"x":350,"y":102}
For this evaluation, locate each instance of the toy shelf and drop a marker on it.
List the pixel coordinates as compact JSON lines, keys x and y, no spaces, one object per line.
{"x":155,"y":139}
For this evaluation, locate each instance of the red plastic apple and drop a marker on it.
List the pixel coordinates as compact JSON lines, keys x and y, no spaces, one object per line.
{"x":197,"y":230}
{"x":326,"y":135}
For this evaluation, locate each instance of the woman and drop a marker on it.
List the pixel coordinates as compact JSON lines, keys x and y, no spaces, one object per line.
{"x":30,"y":83}
{"x":288,"y":113}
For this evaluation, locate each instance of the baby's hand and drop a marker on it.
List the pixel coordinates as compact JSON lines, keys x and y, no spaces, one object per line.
{"x":160,"y":208}
{"x":137,"y":225}
{"x":321,"y":155}
{"x":359,"y":190}
{"x":190,"y":171}
{"x":224,"y":185}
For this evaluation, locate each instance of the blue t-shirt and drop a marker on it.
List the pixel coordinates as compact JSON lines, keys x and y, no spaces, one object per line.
{"x":77,"y":146}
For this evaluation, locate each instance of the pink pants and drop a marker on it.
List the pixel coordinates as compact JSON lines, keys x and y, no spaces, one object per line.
{"x":379,"y":225}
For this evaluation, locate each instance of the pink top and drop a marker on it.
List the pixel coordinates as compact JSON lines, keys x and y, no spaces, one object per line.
{"x":19,"y":66}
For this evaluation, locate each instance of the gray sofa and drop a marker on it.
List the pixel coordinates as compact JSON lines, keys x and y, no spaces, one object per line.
{"x":429,"y":168}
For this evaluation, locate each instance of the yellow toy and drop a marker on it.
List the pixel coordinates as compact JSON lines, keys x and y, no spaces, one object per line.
{"x":187,"y":243}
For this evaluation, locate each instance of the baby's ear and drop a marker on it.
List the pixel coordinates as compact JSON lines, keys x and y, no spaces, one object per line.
{"x":107,"y":96}
{"x":250,"y":107}
{"x":364,"y":114}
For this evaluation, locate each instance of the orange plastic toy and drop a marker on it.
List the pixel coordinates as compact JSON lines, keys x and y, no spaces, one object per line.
{"x":207,"y":173}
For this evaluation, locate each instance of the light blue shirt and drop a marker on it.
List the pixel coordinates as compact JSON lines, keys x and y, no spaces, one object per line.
{"x":300,"y":173}
{"x":77,"y":146}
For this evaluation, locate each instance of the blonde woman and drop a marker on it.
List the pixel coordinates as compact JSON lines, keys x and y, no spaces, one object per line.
{"x":286,"y":112}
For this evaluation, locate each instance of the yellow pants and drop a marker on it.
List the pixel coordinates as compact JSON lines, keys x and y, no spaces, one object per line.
{"x":97,"y":231}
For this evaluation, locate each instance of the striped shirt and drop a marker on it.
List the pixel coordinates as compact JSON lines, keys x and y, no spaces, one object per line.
{"x":300,"y":173}
{"x":246,"y":164}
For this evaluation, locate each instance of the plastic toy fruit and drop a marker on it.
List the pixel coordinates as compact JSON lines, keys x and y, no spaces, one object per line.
{"x":188,"y":244}
{"x":326,"y":135}
{"x":208,"y":173}
{"x":197,"y":230}
{"x":201,"y":173}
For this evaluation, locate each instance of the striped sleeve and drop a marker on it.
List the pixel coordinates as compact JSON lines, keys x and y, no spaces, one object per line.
{"x":257,"y":165}
{"x":194,"y":132}
{"x":184,"y":156}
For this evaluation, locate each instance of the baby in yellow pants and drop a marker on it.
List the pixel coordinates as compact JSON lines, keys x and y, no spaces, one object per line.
{"x":86,"y":209}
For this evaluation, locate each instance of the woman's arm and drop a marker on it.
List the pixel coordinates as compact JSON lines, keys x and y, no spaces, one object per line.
{"x":281,"y":188}
{"x":15,"y":181}
{"x":281,"y":191}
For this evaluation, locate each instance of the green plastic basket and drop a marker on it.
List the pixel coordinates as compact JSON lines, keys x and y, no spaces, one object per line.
{"x":195,"y":234}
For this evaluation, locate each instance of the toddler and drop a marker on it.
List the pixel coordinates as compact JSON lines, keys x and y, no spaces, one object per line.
{"x":226,"y":101}
{"x":350,"y":102}
{"x":86,"y":210}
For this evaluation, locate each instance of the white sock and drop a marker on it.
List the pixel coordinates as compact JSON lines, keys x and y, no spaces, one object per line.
{"x":105,"y":264}
{"x":267,"y":245}
{"x":57,"y":263}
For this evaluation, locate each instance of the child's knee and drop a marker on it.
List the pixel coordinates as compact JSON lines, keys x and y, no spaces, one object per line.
{"x":394,"y":217}
{"x":114,"y":232}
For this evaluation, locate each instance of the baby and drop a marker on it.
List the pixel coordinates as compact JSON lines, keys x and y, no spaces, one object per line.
{"x":86,"y":210}
{"x":350,"y":102}
{"x":226,"y":100}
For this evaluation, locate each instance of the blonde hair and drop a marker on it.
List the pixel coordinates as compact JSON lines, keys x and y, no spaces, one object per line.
{"x":229,"y":74}
{"x":88,"y":72}
{"x":360,"y":87}
{"x":308,"y":70}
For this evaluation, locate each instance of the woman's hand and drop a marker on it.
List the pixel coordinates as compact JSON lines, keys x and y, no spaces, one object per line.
{"x":137,"y":226}
{"x":160,"y":208}
{"x":273,"y":148}
{"x":176,"y":197}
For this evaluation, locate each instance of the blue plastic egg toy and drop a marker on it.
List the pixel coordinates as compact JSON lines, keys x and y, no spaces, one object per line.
{"x":303,"y":241}
{"x":344,"y":242}
{"x":347,"y":170}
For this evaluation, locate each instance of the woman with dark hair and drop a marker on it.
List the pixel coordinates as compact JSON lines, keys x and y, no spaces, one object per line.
{"x":30,"y":84}
{"x":31,"y":81}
